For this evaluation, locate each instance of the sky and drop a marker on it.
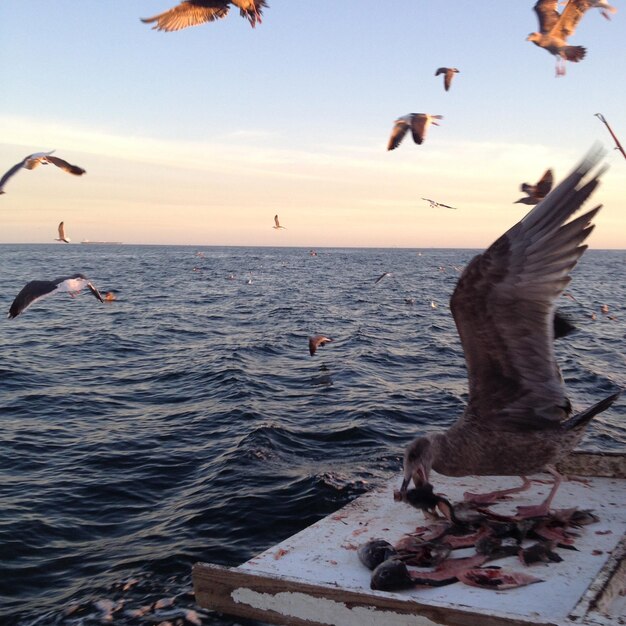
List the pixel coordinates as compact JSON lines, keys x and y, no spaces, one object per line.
{"x":201,"y":136}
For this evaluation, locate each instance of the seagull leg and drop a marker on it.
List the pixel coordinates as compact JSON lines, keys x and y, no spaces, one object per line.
{"x":544,"y":508}
{"x":493,"y":496}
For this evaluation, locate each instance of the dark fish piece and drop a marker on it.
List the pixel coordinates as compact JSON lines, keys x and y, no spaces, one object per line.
{"x":583,"y":518}
{"x":414,"y":551}
{"x":422,"y":497}
{"x":541,"y":552}
{"x":393,"y":575}
{"x":374,"y":552}
{"x":496,"y":578}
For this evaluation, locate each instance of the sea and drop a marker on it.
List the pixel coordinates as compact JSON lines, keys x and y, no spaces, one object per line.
{"x":186,"y":421}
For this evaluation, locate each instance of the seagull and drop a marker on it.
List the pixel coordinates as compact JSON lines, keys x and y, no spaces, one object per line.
{"x":556,"y":27}
{"x":37,"y":289}
{"x":316,"y":341}
{"x":449,"y":73}
{"x":195,"y":12}
{"x":62,"y":236}
{"x":518,"y":419}
{"x":417,"y":122}
{"x":537,"y":192}
{"x":382,"y":276}
{"x":604,"y":6}
{"x":277,"y":223}
{"x":40,"y":158}
{"x":434,"y":204}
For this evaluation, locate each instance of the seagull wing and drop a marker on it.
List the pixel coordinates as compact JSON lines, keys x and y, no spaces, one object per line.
{"x":31,"y":292}
{"x":447,"y":206}
{"x":62,"y":231}
{"x":64,"y":165}
{"x":94,"y":291}
{"x":11,"y":172}
{"x":419,"y":125}
{"x":504,"y":303}
{"x":547,"y":14}
{"x":570,"y":17}
{"x":276,"y":221}
{"x":188,"y":13}
{"x":543,"y":187}
{"x":397,"y":134}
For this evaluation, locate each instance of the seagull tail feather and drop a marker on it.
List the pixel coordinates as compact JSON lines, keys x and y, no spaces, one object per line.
{"x":580,"y":420}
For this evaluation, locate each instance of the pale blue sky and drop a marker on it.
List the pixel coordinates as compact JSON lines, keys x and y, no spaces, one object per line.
{"x":202,"y":135}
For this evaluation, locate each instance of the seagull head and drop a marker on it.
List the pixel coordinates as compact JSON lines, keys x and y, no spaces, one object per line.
{"x":418,"y":461}
{"x":534,"y":37}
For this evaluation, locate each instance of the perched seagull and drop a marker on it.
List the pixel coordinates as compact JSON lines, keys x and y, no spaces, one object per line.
{"x":37,"y":289}
{"x":434,"y":204}
{"x":382,"y":276}
{"x":40,"y":158}
{"x":417,"y":122}
{"x":277,"y":223}
{"x":449,"y":73}
{"x":316,"y":341}
{"x":195,"y":12}
{"x":537,"y":192}
{"x":556,"y":27}
{"x":62,"y":236}
{"x":518,"y":419}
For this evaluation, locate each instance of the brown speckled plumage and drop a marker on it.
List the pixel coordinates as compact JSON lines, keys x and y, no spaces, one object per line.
{"x":518,"y":419}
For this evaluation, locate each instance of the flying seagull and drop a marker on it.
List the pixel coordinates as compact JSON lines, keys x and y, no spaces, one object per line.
{"x":417,"y":122}
{"x":62,"y":236}
{"x":316,"y":341}
{"x":448,"y":73}
{"x":277,"y":223}
{"x":537,"y":192}
{"x":37,"y":289}
{"x":434,"y":204}
{"x":383,"y":275}
{"x":556,"y":27}
{"x":40,"y":158}
{"x":618,"y":145}
{"x":195,"y":12}
{"x":518,"y":419}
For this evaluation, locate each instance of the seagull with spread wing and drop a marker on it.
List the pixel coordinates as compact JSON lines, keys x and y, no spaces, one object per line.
{"x":277,"y":223}
{"x":536,"y":193}
{"x":418,"y":123}
{"x":35,"y":160}
{"x":448,"y":75}
{"x":555,"y":28}
{"x":62,"y":236}
{"x":37,"y":289}
{"x":434,"y":204}
{"x":518,"y":419}
{"x":195,"y":12}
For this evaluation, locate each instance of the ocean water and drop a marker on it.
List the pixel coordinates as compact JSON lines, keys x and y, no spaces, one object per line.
{"x":187,"y":422}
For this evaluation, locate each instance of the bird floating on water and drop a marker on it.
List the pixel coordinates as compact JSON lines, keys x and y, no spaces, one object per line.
{"x":556,"y":27}
{"x":40,"y":158}
{"x":448,"y":73}
{"x":37,"y":289}
{"x":277,"y":223}
{"x":317,"y":341}
{"x":194,"y":12}
{"x":417,"y":122}
{"x":518,"y":419}
{"x":537,"y":192}
{"x":434,"y":204}
{"x":62,"y":236}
